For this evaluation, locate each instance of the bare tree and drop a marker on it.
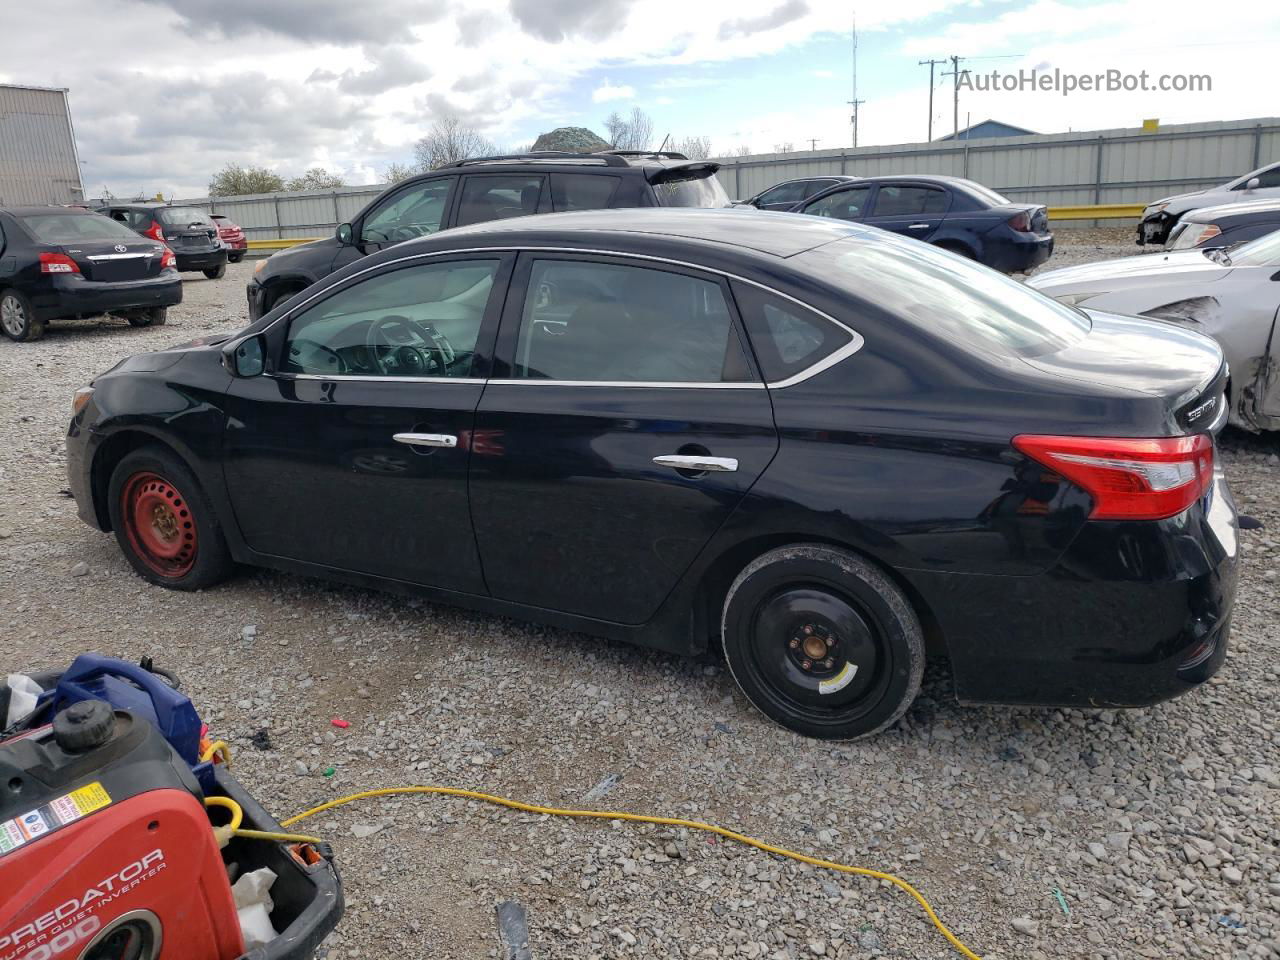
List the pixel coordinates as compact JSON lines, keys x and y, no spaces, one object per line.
{"x":634,"y":132}
{"x":317,"y":178}
{"x":695,"y":148}
{"x":741,"y":150}
{"x":395,"y":172}
{"x":784,"y":147}
{"x":450,"y":140}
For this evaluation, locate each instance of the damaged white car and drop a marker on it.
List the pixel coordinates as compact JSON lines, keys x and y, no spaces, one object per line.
{"x":1230,"y":293}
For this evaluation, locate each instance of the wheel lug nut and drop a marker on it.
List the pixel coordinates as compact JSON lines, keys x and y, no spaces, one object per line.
{"x":794,"y":643}
{"x":808,"y":664}
{"x":828,"y":663}
{"x":831,"y":641}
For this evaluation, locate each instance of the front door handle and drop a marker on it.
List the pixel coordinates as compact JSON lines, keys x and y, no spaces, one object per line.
{"x":698,"y":464}
{"x":426,"y":439}
{"x":917,"y":226}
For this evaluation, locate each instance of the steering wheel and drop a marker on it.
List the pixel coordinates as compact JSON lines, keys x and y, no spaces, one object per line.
{"x":297,"y":358}
{"x":412,"y":359}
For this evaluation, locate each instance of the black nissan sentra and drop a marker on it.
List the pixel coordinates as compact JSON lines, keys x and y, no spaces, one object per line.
{"x":827,"y":448}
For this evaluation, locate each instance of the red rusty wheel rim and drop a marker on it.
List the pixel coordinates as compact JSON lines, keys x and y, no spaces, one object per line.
{"x":159,"y":524}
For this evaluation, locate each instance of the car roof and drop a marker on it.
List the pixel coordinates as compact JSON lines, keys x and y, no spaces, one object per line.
{"x":774,"y":234}
{"x":48,"y":211}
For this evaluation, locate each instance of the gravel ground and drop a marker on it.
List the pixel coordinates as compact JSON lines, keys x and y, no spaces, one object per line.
{"x":1158,"y":827}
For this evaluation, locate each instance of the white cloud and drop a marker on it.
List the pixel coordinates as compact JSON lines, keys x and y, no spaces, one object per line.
{"x":609,"y":91}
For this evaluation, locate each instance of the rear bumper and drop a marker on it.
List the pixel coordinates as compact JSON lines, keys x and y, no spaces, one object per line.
{"x":1132,"y":614}
{"x":68,"y":295}
{"x":210,"y":260}
{"x":1010,"y":251}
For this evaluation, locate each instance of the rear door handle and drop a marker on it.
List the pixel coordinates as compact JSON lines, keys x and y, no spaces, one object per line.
{"x":698,"y":464}
{"x":426,"y":439}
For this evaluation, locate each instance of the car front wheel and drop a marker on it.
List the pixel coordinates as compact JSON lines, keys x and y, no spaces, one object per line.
{"x":18,"y":319}
{"x":823,"y":642}
{"x":163,"y":522}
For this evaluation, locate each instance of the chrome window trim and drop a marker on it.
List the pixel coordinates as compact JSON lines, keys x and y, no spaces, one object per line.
{"x":373,"y":378}
{"x":659,"y":384}
{"x":855,"y":343}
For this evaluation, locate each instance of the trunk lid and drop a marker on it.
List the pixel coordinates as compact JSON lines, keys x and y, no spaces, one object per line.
{"x":1184,"y":370}
{"x":107,"y":261}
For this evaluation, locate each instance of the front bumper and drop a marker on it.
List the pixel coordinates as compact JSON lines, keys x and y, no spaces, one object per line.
{"x":1132,"y":614}
{"x":69,"y":295}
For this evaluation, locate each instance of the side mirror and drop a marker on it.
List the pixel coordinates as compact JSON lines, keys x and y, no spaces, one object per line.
{"x":245,"y":358}
{"x":1253,"y":184}
{"x":346,"y":235}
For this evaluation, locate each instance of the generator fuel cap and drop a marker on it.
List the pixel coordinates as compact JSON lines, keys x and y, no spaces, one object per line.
{"x":84,"y":726}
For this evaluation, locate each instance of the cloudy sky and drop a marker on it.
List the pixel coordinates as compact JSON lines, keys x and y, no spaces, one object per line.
{"x":164,"y":92}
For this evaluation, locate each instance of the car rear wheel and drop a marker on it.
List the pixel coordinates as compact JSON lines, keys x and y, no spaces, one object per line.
{"x":822,"y":642}
{"x":217,"y":273}
{"x":18,"y":319}
{"x":235,"y":257}
{"x":163,"y":522}
{"x":154,"y":317}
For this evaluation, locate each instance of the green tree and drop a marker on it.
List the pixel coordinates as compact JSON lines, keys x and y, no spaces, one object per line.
{"x":317,"y":178}
{"x":234,"y":180}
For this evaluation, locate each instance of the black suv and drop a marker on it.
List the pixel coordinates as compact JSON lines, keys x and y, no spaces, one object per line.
{"x":190,"y":232}
{"x":490,"y":188}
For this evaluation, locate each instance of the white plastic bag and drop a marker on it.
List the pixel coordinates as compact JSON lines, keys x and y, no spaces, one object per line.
{"x":254,"y":906}
{"x":23,"y":692}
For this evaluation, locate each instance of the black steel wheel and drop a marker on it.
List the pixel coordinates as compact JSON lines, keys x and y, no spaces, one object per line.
{"x":823,"y":642}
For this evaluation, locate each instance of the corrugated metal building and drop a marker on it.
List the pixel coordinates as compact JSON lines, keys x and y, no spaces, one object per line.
{"x":38,"y":159}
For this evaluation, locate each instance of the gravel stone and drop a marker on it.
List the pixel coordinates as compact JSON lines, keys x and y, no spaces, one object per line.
{"x":429,"y":688}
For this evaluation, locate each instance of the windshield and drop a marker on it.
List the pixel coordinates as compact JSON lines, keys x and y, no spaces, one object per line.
{"x":949,"y":296}
{"x":181,"y":216}
{"x":701,"y":192}
{"x":75,"y":228}
{"x":1263,"y":252}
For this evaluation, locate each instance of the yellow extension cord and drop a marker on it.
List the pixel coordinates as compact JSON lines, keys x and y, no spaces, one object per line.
{"x":643,"y":818}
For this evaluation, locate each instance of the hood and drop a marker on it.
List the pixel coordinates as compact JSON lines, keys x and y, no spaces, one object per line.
{"x":282,"y":257}
{"x":1184,"y":266}
{"x":1209,"y":214}
{"x":1131,"y":353}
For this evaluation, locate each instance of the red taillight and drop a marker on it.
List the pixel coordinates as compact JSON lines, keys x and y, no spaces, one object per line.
{"x":1142,"y":479}
{"x":167,"y":259}
{"x":155,"y":231}
{"x":57,"y":263}
{"x":1021,"y":221}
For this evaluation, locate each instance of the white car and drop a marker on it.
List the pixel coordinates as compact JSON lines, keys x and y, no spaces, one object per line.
{"x":1233,"y":295}
{"x":1158,"y":218}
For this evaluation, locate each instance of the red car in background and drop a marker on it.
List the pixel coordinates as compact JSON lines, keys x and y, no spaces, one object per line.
{"x":233,"y":236}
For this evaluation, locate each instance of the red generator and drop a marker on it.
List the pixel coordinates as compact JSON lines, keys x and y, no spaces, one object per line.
{"x":107,"y":852}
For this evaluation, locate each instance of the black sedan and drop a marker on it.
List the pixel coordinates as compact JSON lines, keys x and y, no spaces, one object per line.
{"x":58,"y":262}
{"x":823,"y":447}
{"x":1225,"y":225}
{"x":957,"y":215}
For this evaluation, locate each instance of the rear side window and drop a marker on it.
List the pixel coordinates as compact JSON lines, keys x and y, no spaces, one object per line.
{"x":907,"y":201}
{"x":787,"y":337}
{"x":498,"y":198}
{"x":848,"y":204}
{"x":582,"y":191}
{"x":792,"y":192}
{"x":592,"y":321}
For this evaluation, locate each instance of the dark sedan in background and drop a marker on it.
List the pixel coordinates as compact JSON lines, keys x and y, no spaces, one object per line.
{"x":190,"y":232}
{"x":1225,"y":225}
{"x":955,"y":214}
{"x":58,"y":262}
{"x":819,"y":445}
{"x":789,"y":193}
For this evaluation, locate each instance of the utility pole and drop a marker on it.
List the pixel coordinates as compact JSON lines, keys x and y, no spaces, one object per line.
{"x":932,"y":63}
{"x":813,"y":143}
{"x":955,"y":91}
{"x":855,"y":101}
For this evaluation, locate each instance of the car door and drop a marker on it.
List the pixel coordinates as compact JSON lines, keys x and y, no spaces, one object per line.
{"x":848,"y":203}
{"x":913,"y":209}
{"x":417,"y":209}
{"x":351,"y":451}
{"x":624,"y":424}
{"x":1268,"y":185}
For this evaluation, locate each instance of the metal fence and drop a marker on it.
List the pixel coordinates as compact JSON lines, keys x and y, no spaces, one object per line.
{"x":1120,"y":166}
{"x":1123,"y":166}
